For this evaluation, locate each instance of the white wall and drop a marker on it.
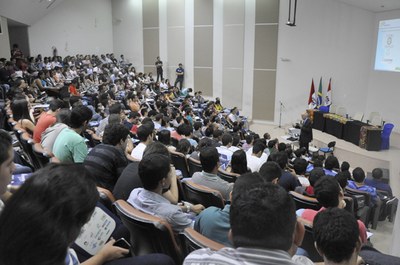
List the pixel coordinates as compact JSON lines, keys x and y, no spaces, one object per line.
{"x":331,"y":39}
{"x":384,"y":87}
{"x":19,"y":35}
{"x":4,"y":40}
{"x":128,"y":31}
{"x":74,"y":26}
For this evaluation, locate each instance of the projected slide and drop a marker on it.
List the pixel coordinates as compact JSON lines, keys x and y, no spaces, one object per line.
{"x":388,"y":46}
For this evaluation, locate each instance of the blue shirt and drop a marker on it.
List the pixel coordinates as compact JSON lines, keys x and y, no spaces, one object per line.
{"x":214,"y":223}
{"x":379,"y":185}
{"x":180,"y":70}
{"x":371,"y":190}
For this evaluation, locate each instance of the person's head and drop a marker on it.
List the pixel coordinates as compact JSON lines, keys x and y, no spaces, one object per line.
{"x":271,"y":172}
{"x":80,"y":116}
{"x":56,"y":201}
{"x":209,"y":159}
{"x":164,"y":137}
{"x":114,"y":118}
{"x":318,"y":163}
{"x":115,"y":108}
{"x":267,"y":136}
{"x":56,"y":104}
{"x":217,"y":134}
{"x":274,"y":228}
{"x":258,"y":149}
{"x":342,"y":178}
{"x":63,"y":116}
{"x":145,"y":132}
{"x":20,"y":109}
{"x":336,"y":235}
{"x":153,"y":171}
{"x":183,"y":146}
{"x":7,"y":165}
{"x":358,"y":175}
{"x":235,"y":140}
{"x":249,"y":139}
{"x":197,"y":125}
{"x":345,"y":166}
{"x":281,"y":147}
{"x":75,"y":101}
{"x":328,"y":192}
{"x":227,"y":139}
{"x":300,"y":166}
{"x":185,"y":129}
{"x":203,"y":143}
{"x":114,"y":134}
{"x":315,"y":175}
{"x":377,"y":173}
{"x":331,"y":162}
{"x":282,"y":159}
{"x":272,"y":143}
{"x":239,"y":162}
{"x":156,"y":148}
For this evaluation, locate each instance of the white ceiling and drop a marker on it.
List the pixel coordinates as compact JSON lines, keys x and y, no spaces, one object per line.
{"x":374,"y":5}
{"x":29,"y":11}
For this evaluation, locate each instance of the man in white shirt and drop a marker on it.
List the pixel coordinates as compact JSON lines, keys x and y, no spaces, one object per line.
{"x":145,"y":133}
{"x":254,"y":161}
{"x":225,"y":154}
{"x":300,"y":167}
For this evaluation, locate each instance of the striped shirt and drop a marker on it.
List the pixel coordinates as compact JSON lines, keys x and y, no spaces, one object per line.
{"x":242,"y":256}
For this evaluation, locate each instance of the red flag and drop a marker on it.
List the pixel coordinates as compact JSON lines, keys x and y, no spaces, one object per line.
{"x":312,"y":99}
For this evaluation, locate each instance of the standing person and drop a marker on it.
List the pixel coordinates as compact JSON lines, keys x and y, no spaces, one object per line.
{"x":306,"y":135}
{"x":159,"y":68}
{"x":179,"y":76}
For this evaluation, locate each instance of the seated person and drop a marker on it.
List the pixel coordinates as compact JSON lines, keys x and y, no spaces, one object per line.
{"x":70,"y":146}
{"x":300,"y":167}
{"x":358,"y":184}
{"x":7,"y":165}
{"x":57,"y":201}
{"x":46,"y":119}
{"x":156,"y":176}
{"x":377,"y":182}
{"x":331,"y":163}
{"x":271,"y":172}
{"x":315,"y":175}
{"x":268,"y":238}
{"x":49,"y":136}
{"x":254,"y":160}
{"x":225,"y":154}
{"x":238,"y":163}
{"x":209,"y":159}
{"x":107,"y":160}
{"x":336,"y":237}
{"x":288,"y":181}
{"x":145,"y":133}
{"x":329,"y":194}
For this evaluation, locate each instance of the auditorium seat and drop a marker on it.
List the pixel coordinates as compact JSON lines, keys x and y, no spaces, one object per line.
{"x":194,"y":240}
{"x":387,"y":130}
{"x":358,"y":116}
{"x":196,"y":194}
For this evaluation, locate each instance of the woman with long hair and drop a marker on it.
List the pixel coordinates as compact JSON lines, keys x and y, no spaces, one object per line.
{"x":239,"y":162}
{"x":21,"y":114}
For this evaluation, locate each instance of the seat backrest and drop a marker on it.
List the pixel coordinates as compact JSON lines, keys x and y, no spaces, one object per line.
{"x":227,"y":176}
{"x":179,"y":161}
{"x":194,"y":240}
{"x":387,"y":129}
{"x":196,"y":193}
{"x":304,"y":202}
{"x":332,"y":144}
{"x":27,"y":145}
{"x":332,"y":109}
{"x":376,"y":121}
{"x":358,"y":116}
{"x":308,"y":241}
{"x":373,"y":115}
{"x":106,"y":198}
{"x":42,"y":156}
{"x":194,"y":166}
{"x":149,"y":233}
{"x":367,"y":197}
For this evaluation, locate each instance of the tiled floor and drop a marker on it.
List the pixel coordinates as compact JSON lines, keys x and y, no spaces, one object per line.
{"x":345,"y":151}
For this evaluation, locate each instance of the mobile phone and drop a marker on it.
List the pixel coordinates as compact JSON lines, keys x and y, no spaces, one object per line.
{"x":122,"y":243}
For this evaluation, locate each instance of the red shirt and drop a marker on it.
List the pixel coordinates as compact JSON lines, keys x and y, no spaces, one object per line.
{"x":45,"y":121}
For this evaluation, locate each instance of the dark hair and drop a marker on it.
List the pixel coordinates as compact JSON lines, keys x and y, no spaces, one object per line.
{"x":209,"y":158}
{"x":315,"y":175}
{"x":217,"y":133}
{"x":56,"y":201}
{"x":282,"y":159}
{"x":184,"y":129}
{"x":115,"y":108}
{"x":281,"y":147}
{"x":5,"y":145}
{"x":258,"y":147}
{"x":327,"y":190}
{"x":20,"y":109}
{"x":183,"y":146}
{"x":249,"y":138}
{"x":152,"y":169}
{"x":270,"y":170}
{"x":197,"y":125}
{"x":235,"y":140}
{"x":377,"y":173}
{"x":144,"y":131}
{"x":164,"y":137}
{"x":358,"y":174}
{"x":331,"y":162}
{"x":345,"y":166}
{"x":226,"y":139}
{"x":73,"y":100}
{"x":209,"y":131}
{"x":156,"y":148}
{"x":300,"y":166}
{"x":273,"y":228}
{"x":63,"y":116}
{"x":239,"y":162}
{"x":56,"y":104}
{"x":79,"y":115}
{"x":114,"y":133}
{"x":272,"y":143}
{"x":204,"y":142}
{"x":318,"y":163}
{"x":336,"y":234}
{"x":342,"y":178}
